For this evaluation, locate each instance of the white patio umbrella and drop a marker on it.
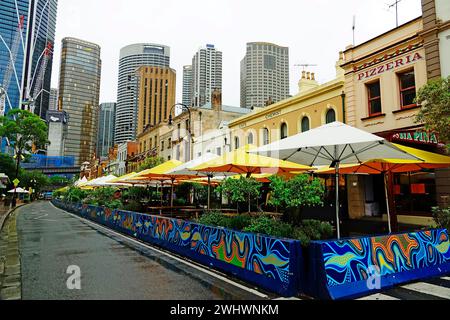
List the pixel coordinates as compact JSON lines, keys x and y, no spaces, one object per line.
{"x":100,"y":182}
{"x":333,"y":144}
{"x":18,"y":190}
{"x":80,"y":181}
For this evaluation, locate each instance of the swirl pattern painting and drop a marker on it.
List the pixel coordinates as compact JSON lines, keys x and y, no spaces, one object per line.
{"x":349,"y":260}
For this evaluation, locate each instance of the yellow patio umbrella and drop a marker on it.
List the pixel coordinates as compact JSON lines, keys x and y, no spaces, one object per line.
{"x":242,"y":162}
{"x":430,"y":160}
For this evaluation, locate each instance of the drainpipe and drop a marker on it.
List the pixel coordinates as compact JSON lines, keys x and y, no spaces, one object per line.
{"x":343,"y":106}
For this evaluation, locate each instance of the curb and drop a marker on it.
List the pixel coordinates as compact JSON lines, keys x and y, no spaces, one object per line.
{"x":6,"y":216}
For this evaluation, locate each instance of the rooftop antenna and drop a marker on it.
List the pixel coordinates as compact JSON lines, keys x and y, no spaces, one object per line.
{"x":395,"y":4}
{"x":304,"y":65}
{"x":353,"y":29}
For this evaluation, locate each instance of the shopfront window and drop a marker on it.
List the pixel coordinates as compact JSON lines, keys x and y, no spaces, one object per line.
{"x":415,"y":192}
{"x":374,"y":95}
{"x":250,"y":138}
{"x":407,"y":89}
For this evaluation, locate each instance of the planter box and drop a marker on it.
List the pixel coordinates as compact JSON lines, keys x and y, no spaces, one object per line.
{"x":270,"y":263}
{"x":352,"y":267}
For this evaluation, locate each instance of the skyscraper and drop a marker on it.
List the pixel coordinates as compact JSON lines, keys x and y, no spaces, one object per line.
{"x":27,"y":35}
{"x":264,"y":74}
{"x":79,"y":88}
{"x":206,"y":74}
{"x":105,"y":131}
{"x":156,"y":95}
{"x":187,"y":85}
{"x":131,"y":58}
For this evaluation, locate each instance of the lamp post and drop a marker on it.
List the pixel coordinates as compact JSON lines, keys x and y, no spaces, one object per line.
{"x":188,"y":109}
{"x":33,"y":183}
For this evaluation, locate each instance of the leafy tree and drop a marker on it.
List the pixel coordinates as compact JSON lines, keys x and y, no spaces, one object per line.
{"x":150,"y":162}
{"x":434,"y":97}
{"x":33,"y":179}
{"x":7,"y":165}
{"x":294,"y":194}
{"x":23,"y":130}
{"x":240,"y":190}
{"x":59,"y":181}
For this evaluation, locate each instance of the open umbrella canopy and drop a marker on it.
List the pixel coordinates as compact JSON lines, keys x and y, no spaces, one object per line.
{"x":429,"y":160}
{"x":99,"y":182}
{"x":242,"y":162}
{"x":158,"y":173}
{"x":185,"y":168}
{"x":331,"y":143}
{"x":80,"y":182}
{"x":18,"y":190}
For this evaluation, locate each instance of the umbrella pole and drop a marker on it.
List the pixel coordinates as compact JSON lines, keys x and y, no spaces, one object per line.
{"x":160,"y":210}
{"x":337,"y":200}
{"x":209,"y":192}
{"x":171,"y":197}
{"x":387,"y":202}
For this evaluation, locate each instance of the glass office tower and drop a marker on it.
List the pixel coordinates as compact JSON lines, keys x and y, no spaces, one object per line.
{"x":79,"y":89}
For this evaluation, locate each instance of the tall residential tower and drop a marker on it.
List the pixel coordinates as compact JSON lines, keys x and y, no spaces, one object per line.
{"x":79,"y":88}
{"x":187,"y":85}
{"x":131,"y":58}
{"x":206,"y":74}
{"x":264,"y":74}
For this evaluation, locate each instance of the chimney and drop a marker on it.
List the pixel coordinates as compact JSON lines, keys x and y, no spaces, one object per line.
{"x":216,"y":100}
{"x":307,"y":82}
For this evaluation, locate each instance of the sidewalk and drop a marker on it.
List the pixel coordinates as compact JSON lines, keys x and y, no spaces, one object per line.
{"x":10,"y":277}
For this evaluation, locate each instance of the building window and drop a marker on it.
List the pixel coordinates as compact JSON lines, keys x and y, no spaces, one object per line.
{"x":407,"y":89}
{"x":162,"y":145}
{"x":283,"y":131}
{"x":179,"y":131}
{"x":305,"y":124}
{"x":250,"y":138}
{"x":169,"y":143}
{"x":219,"y":151}
{"x":236,"y":142}
{"x":330,"y":116}
{"x":266,"y":139}
{"x":374,"y":96}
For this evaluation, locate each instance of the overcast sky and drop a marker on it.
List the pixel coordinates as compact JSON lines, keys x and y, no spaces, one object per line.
{"x":314,"y":30}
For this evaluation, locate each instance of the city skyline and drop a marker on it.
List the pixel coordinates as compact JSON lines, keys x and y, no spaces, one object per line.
{"x":272,"y":24}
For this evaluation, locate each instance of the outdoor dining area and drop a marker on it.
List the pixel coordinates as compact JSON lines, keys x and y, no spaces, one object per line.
{"x":333,"y":151}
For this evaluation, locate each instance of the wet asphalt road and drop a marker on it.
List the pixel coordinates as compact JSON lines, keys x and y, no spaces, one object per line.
{"x":51,"y":240}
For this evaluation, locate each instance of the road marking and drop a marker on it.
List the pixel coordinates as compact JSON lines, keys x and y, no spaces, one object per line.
{"x":44,"y":215}
{"x":445,"y":278}
{"x":430,"y":289}
{"x":378,"y":296}
{"x":213,"y":274}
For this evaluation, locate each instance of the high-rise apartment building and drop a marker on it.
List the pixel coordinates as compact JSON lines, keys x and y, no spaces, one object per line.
{"x":105,"y":130}
{"x":53,"y":104}
{"x":264,"y":74}
{"x":156,"y":87}
{"x":187,"y":85}
{"x":206,"y":74}
{"x":79,"y":88}
{"x":131,"y":58}
{"x":27,"y":35}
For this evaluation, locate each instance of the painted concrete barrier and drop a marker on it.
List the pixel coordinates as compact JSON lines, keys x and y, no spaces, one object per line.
{"x":348,"y":268}
{"x":273,"y":264}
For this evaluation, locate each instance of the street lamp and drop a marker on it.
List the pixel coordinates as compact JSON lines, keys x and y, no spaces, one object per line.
{"x":188,"y":109}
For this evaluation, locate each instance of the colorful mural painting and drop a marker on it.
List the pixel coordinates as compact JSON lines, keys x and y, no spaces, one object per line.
{"x":350,"y":266}
{"x":271,"y":263}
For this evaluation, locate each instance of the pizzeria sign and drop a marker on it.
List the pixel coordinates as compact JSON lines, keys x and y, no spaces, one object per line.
{"x":419,"y":136}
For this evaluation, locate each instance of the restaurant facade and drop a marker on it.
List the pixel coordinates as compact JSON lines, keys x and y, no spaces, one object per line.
{"x":382,"y":77}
